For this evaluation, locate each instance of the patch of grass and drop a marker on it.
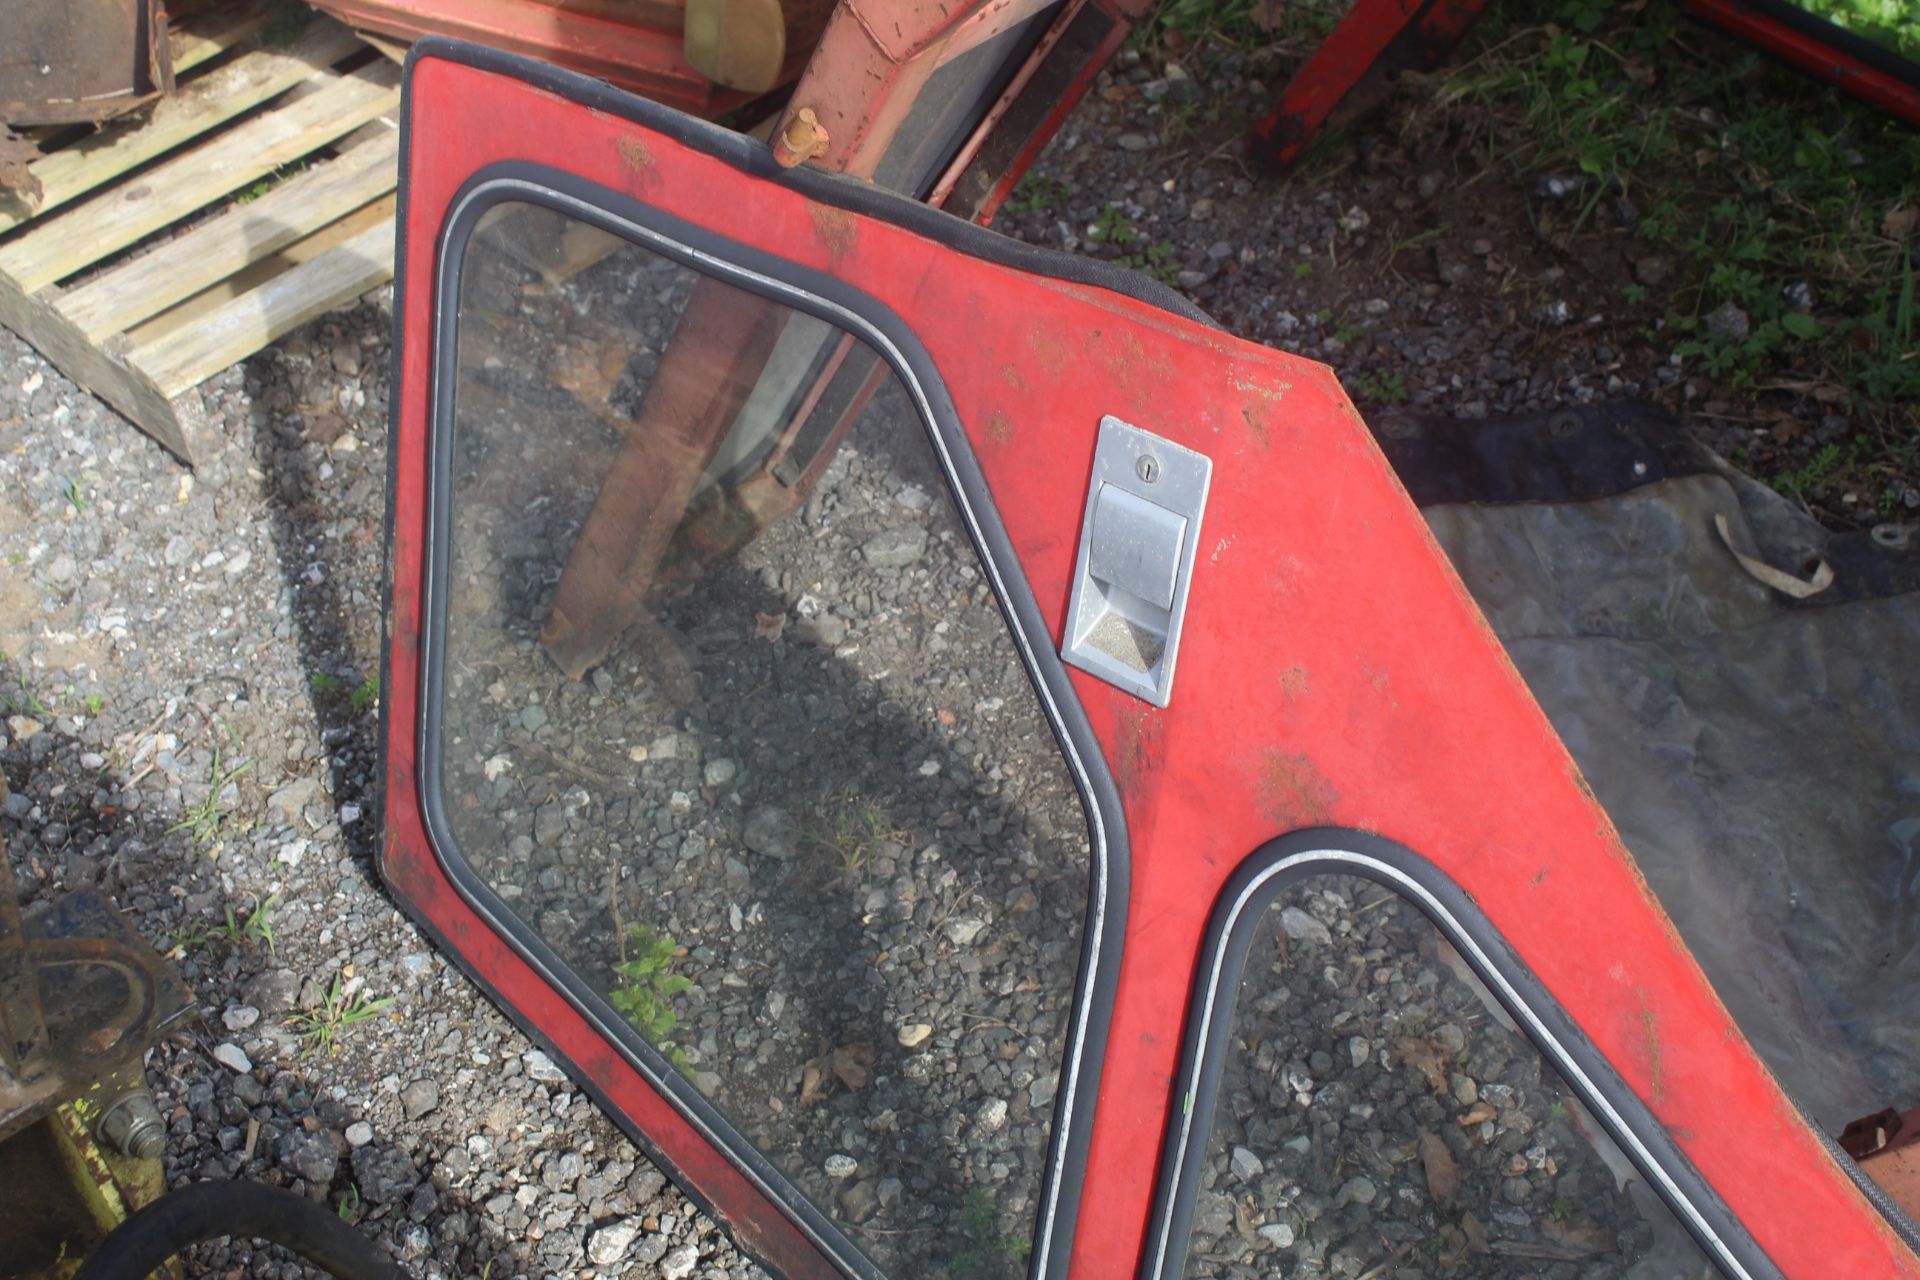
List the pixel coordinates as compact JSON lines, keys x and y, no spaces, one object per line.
{"x":248,"y":194}
{"x":94,"y":703}
{"x":1382,"y":386}
{"x":1244,"y":24}
{"x":207,"y":821}
{"x":1113,"y":227}
{"x":1037,"y":192}
{"x":328,"y":687}
{"x":1768,"y":191}
{"x":23,"y":702}
{"x":852,"y":826}
{"x":234,"y":931}
{"x":988,"y":1252}
{"x":320,"y":1029}
{"x":76,"y":495}
{"x":1821,"y":466}
{"x":1156,"y":261}
{"x":646,"y":986}
{"x":257,"y":927}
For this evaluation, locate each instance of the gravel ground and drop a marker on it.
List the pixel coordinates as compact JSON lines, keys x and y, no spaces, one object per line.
{"x":188,"y":649}
{"x":1379,"y":1114}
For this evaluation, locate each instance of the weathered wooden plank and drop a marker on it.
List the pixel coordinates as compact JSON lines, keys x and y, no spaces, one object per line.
{"x":127,"y":389}
{"x":255,"y":274}
{"x":203,"y":36}
{"x":57,"y":247}
{"x":125,"y":296}
{"x":201,"y":104}
{"x":192,"y":353}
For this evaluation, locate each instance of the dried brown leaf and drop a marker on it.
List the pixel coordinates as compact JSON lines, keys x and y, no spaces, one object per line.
{"x":1476,"y":1234}
{"x":1426,"y":1057}
{"x":1443,"y":1174}
{"x":1478,"y":1113}
{"x":1899,"y":222}
{"x":1581,"y":1233}
{"x":853,"y":1064}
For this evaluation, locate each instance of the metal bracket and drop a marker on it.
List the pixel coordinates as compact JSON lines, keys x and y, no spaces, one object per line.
{"x":1138,"y":537}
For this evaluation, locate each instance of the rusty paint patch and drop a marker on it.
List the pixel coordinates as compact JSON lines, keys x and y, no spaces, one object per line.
{"x":835,"y":227}
{"x":1132,"y":746}
{"x":1650,"y":1035}
{"x":1293,"y":682}
{"x":1540,"y":877}
{"x":1257,"y":425}
{"x":1000,"y":428}
{"x":1013,"y":378}
{"x":1275,"y":393}
{"x":635,"y":156}
{"x":1292,"y":792}
{"x":1049,"y":348}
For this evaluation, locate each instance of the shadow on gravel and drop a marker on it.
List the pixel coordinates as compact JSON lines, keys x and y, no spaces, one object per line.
{"x":324,"y":463}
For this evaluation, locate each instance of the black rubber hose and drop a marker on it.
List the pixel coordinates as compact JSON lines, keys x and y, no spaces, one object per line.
{"x":206,"y":1210}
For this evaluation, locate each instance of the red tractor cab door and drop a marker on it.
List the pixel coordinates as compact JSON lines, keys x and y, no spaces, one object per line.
{"x":984,"y":774}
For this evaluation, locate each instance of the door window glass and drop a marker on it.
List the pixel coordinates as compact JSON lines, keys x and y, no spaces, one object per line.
{"x":1380,"y":1115}
{"x":730,"y":720}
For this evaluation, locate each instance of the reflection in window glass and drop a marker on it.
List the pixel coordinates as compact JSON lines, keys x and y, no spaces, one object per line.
{"x":801,"y":821}
{"x":1380,"y":1115}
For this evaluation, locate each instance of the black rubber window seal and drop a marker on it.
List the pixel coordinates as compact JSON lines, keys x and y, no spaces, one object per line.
{"x":1238,"y":911}
{"x":855,"y":312}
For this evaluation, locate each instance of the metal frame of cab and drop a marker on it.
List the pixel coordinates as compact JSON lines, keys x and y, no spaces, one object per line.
{"x":1335,"y":677}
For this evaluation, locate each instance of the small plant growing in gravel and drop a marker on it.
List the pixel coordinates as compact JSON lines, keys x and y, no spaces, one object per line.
{"x":207,"y":821}
{"x":318,"y":1029}
{"x":1382,"y":386}
{"x":1038,"y":191}
{"x":76,"y":495}
{"x":646,"y":988}
{"x":988,"y":1252}
{"x":22,"y":702}
{"x":257,"y":927}
{"x":1114,"y":227}
{"x":328,"y":687}
{"x":1158,"y":261}
{"x":350,"y":1209}
{"x":852,"y":829}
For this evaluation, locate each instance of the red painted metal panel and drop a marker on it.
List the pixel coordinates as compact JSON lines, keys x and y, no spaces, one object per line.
{"x":640,"y":49}
{"x":1375,"y":36}
{"x":1887,"y":92}
{"x":1333,"y":672}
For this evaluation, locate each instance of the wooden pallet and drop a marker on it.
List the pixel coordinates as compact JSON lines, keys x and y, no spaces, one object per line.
{"x":110,"y":277}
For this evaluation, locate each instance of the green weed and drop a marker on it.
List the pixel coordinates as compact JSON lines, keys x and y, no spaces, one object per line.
{"x":328,"y":687}
{"x":23,"y":702}
{"x":1384,"y":386}
{"x":1038,"y":192}
{"x":1157,"y":261}
{"x":207,"y":821}
{"x":1113,"y":227}
{"x":646,"y":987}
{"x":319,"y":1029}
{"x":988,"y":1252}
{"x":851,"y":829}
{"x":1749,"y":178}
{"x":76,"y":495}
